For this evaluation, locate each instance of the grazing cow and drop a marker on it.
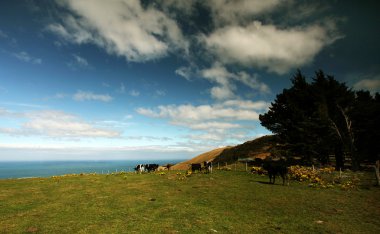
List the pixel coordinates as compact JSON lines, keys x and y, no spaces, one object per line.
{"x":196,"y":167}
{"x":151,"y":167}
{"x":162,"y":168}
{"x":140,"y":168}
{"x":275,"y":167}
{"x":208,"y":166}
{"x":169,"y":166}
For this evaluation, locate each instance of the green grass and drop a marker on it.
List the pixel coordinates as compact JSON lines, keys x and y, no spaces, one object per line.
{"x":223,"y":202}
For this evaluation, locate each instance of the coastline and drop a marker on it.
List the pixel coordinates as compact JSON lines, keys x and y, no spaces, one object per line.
{"x":36,"y":169}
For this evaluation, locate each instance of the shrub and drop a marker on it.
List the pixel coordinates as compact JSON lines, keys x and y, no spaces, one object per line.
{"x":258,"y":170}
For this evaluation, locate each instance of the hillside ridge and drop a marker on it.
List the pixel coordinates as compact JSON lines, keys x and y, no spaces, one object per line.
{"x":258,"y":148}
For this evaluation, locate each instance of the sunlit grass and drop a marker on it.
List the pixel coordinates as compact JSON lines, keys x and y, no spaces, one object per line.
{"x":224,"y":202}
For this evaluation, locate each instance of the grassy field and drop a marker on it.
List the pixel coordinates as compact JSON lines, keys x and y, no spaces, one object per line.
{"x":223,"y":202}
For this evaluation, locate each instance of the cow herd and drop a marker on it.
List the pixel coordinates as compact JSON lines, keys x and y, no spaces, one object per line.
{"x":273,"y":167}
{"x":140,"y":168}
{"x":207,"y":167}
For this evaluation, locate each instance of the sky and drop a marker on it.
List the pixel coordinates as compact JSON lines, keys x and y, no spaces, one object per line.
{"x":165,"y":79}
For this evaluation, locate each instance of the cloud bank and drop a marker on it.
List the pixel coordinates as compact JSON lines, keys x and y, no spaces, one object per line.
{"x":267,"y":46}
{"x":55,"y":124}
{"x":123,"y":28}
{"x":90,"y":96}
{"x":373,"y":85}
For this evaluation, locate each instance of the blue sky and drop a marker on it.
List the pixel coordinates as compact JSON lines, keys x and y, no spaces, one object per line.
{"x":93,"y":79}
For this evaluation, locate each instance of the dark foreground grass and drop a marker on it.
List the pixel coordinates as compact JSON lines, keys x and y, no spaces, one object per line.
{"x":223,"y":202}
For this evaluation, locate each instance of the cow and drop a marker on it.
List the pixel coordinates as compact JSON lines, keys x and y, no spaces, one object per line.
{"x":195,"y":167}
{"x":140,"y":168}
{"x":151,"y":167}
{"x":162,"y":168}
{"x":169,"y":166}
{"x":207,"y":166}
{"x":276,"y":167}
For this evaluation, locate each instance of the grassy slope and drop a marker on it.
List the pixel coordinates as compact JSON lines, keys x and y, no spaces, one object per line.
{"x":259,"y":147}
{"x":228,"y":202}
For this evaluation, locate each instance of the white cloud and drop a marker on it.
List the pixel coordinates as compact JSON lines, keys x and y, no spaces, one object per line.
{"x":190,"y":113}
{"x":225,"y":81}
{"x":5,"y":112}
{"x":134,"y":93}
{"x":247,"y":104}
{"x":58,"y":124}
{"x":160,"y":92}
{"x":184,"y":72}
{"x":127,"y":117}
{"x":124,"y":28}
{"x":78,"y":62}
{"x":206,"y":137}
{"x":25,"y":57}
{"x":24,"y":152}
{"x":218,"y":122}
{"x":267,"y":46}
{"x":121,"y":88}
{"x":223,"y":92}
{"x":27,"y":105}
{"x":60,"y":95}
{"x":219,"y":136}
{"x":209,"y":125}
{"x":373,"y":85}
{"x":90,"y":96}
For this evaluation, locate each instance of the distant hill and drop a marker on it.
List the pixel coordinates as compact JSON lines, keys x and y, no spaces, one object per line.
{"x":208,"y":156}
{"x":258,"y":148}
{"x":261,"y":147}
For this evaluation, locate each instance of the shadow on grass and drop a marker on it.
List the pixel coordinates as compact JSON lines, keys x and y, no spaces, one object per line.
{"x":265,"y":182}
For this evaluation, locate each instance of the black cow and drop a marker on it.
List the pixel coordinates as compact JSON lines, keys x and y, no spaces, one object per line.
{"x":168,"y":166}
{"x":276,"y":167}
{"x":207,"y":166}
{"x":151,"y":167}
{"x":195,"y":167}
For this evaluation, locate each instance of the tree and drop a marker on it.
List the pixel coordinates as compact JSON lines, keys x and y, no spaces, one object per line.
{"x":334,"y":101}
{"x":314,"y":119}
{"x":366,"y":124}
{"x":293,"y":118}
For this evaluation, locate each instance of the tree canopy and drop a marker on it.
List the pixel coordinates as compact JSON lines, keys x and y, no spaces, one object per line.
{"x":325,"y":117}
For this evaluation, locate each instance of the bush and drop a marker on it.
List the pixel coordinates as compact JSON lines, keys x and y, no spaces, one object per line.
{"x":323,"y":177}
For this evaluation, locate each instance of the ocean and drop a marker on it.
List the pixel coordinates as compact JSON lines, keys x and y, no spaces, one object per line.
{"x":26,"y":169}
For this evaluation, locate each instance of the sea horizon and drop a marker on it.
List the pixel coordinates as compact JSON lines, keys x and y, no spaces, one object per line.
{"x":48,"y":168}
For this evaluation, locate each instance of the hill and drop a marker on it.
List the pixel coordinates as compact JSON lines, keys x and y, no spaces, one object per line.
{"x":258,"y":148}
{"x":261,"y":147}
{"x":208,"y":156}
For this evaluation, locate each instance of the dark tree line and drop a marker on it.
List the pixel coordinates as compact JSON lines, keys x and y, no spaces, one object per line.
{"x":325,"y":117}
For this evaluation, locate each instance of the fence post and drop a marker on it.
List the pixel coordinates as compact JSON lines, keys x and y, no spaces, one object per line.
{"x":235,"y":166}
{"x":218,"y":166}
{"x":246,"y":166}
